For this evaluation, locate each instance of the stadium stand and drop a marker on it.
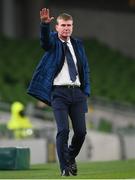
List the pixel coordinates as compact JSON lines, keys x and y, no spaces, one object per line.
{"x":112,"y":74}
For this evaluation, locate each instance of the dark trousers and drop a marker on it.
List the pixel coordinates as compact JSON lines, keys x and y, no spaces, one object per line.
{"x":69,"y":102}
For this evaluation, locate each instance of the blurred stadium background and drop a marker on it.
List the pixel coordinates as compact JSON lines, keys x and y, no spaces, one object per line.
{"x":108,"y":31}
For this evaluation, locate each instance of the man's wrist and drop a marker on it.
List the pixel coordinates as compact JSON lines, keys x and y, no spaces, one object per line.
{"x":44,"y":23}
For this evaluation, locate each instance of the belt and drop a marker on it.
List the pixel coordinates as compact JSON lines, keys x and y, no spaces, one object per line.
{"x":67,"y":86}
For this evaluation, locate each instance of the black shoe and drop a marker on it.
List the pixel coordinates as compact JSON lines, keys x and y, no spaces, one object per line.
{"x":73,"y":167}
{"x":65,"y":172}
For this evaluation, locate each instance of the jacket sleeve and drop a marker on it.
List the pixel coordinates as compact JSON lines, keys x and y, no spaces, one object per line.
{"x":87,"y":88}
{"x":46,"y":40}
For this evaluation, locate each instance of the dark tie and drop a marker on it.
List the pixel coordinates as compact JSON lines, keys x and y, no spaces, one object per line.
{"x":71,"y":65}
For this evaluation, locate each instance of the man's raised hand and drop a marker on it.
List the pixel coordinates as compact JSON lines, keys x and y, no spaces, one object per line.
{"x":45,"y":16}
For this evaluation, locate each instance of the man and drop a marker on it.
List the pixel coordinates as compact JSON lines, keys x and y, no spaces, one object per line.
{"x":61,"y":80}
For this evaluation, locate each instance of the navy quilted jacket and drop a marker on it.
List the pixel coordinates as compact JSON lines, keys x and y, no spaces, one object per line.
{"x":51,"y":63}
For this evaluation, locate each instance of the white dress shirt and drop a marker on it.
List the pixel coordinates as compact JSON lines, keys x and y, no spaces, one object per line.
{"x":63,"y":78}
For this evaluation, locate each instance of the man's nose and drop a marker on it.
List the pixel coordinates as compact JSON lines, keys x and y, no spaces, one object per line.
{"x":66,"y":27}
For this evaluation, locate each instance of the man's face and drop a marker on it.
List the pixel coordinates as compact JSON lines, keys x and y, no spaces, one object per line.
{"x":64,"y":28}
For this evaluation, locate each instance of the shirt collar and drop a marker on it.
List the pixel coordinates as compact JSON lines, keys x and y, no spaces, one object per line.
{"x":68,"y":41}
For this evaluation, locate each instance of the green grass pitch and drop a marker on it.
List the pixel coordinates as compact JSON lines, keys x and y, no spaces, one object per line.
{"x":93,"y":170}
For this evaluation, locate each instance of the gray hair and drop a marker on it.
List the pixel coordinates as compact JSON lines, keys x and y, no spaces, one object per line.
{"x":65,"y":17}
